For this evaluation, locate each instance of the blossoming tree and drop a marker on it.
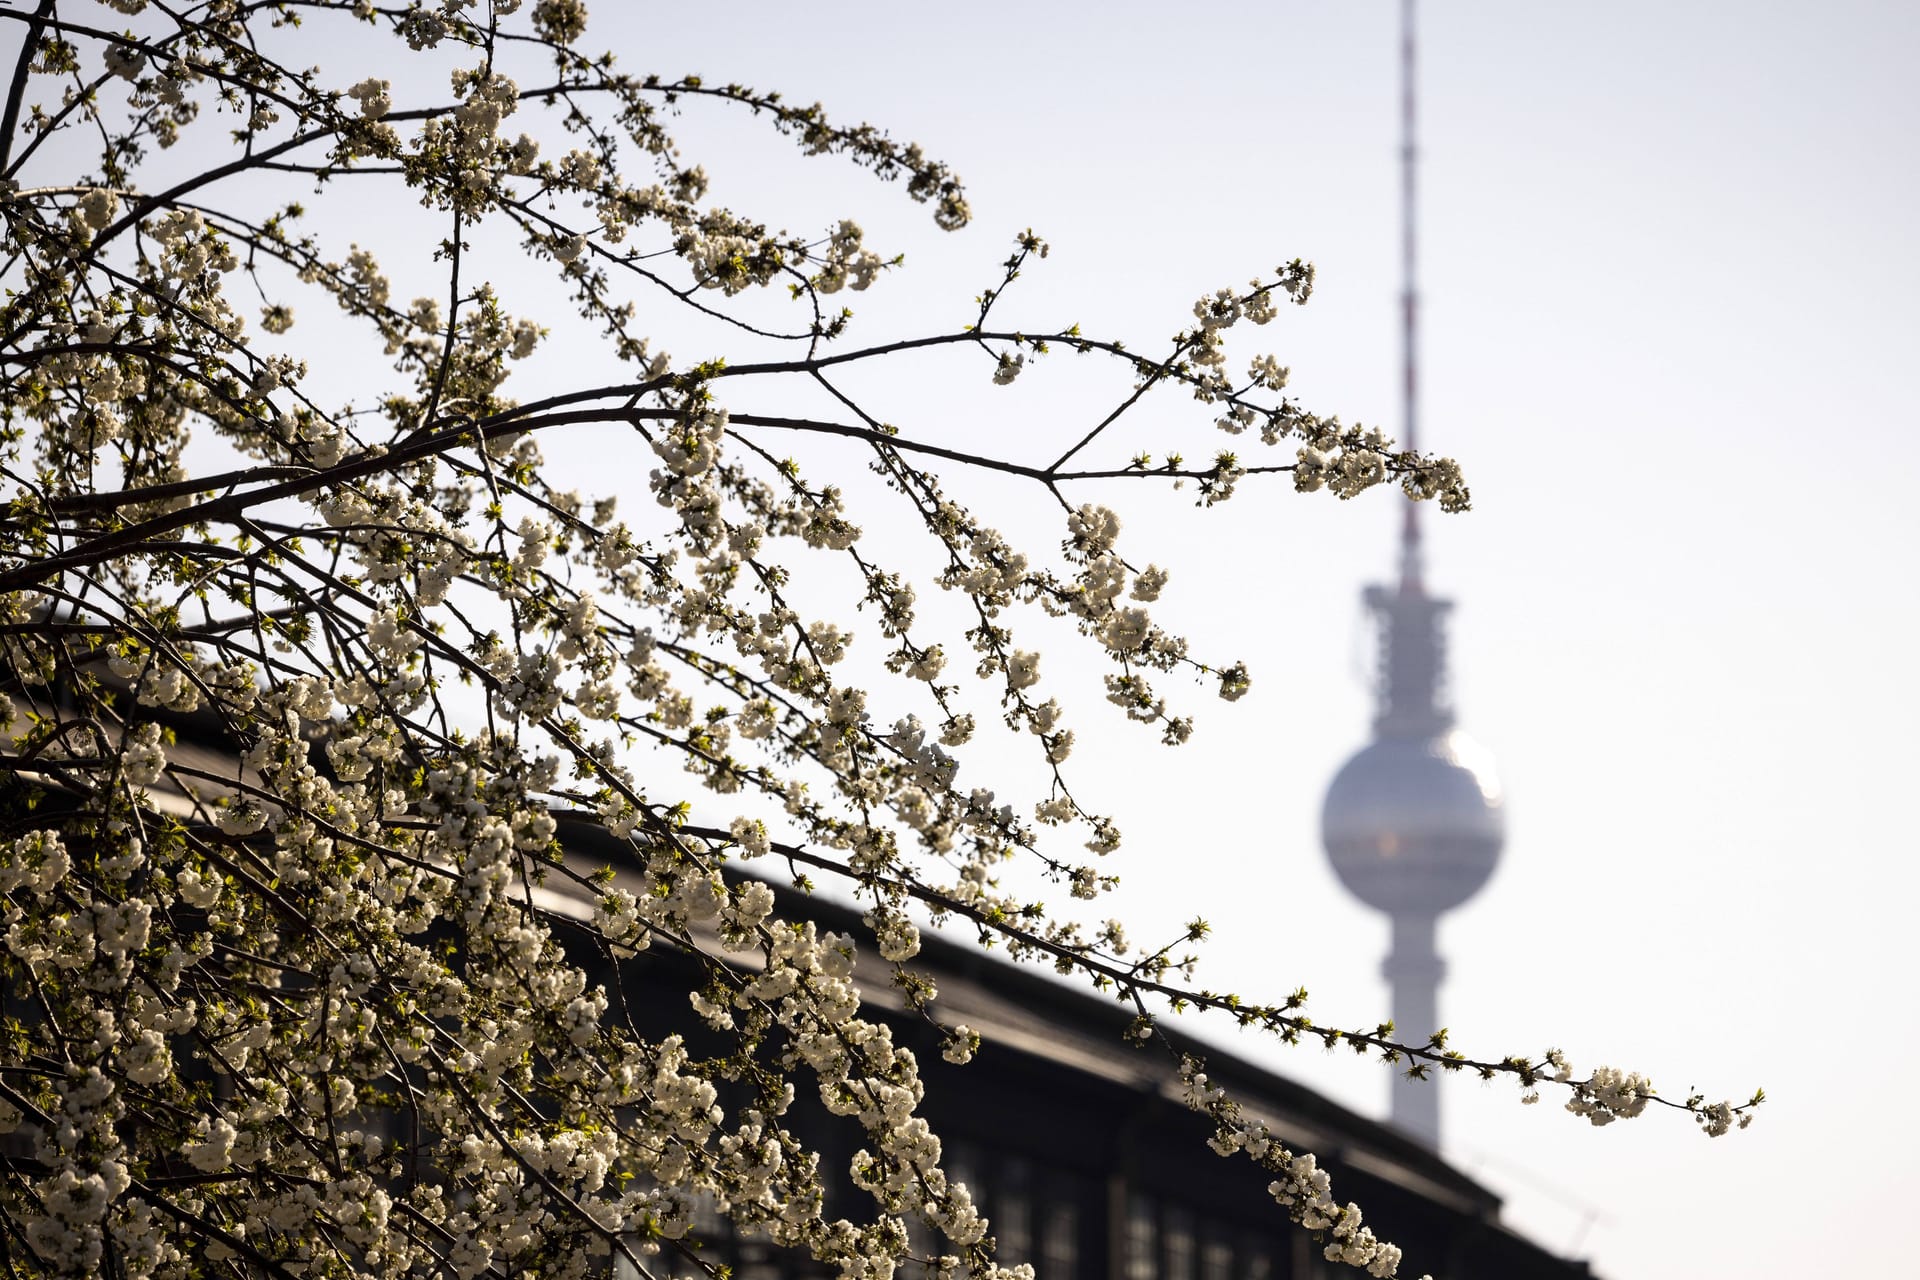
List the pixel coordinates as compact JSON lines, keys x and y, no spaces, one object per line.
{"x":305,"y":680}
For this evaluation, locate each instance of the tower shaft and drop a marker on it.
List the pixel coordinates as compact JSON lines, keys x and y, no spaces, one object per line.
{"x":1414,"y":969}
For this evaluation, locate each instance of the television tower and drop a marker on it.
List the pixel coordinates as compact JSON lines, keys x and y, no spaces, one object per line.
{"x":1413,"y":823}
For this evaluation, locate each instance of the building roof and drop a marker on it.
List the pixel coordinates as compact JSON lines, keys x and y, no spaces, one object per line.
{"x":1040,"y":1032}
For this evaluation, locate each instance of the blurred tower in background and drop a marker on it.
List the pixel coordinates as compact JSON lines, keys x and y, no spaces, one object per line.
{"x":1413,"y":823}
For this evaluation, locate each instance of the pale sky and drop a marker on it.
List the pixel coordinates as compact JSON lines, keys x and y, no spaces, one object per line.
{"x":1669,"y":290}
{"x":1669,"y":280}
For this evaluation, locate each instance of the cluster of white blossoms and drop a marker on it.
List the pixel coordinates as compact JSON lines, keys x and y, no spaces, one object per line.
{"x":1302,"y":1187}
{"x":308,"y":741}
{"x":1611,"y":1093}
{"x":1608,"y":1094}
{"x":375,"y":97}
{"x":848,"y":262}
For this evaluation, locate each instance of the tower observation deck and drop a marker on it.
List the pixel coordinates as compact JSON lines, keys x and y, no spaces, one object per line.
{"x":1413,"y":823}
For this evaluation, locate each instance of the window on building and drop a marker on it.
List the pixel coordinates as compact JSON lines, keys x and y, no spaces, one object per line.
{"x":1177,"y":1235}
{"x":1012,"y":1212}
{"x":1139,"y":1238}
{"x":708,"y":1223}
{"x":964,"y":1164}
{"x":1060,"y":1242}
{"x":759,"y":1260}
{"x":1256,"y":1258}
{"x":1216,"y":1258}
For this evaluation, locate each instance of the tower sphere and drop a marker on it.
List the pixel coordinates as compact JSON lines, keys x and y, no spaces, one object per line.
{"x":1414,"y":825}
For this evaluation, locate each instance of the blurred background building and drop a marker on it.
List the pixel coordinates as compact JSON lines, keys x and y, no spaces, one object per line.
{"x":1077,"y":1147}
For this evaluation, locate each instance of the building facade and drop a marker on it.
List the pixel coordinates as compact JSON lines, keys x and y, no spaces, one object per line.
{"x":1089,"y":1166}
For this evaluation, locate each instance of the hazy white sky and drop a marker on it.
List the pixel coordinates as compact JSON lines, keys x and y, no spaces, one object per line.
{"x":1670,"y":273}
{"x":1670,"y":279}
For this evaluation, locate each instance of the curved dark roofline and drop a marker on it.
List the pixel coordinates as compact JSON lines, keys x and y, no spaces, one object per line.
{"x":1037,"y":1013}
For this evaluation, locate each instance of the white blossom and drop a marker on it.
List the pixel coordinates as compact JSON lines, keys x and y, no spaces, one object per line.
{"x":362,"y":755}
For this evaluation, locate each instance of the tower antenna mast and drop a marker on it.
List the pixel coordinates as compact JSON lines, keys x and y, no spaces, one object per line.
{"x":1410,"y":566}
